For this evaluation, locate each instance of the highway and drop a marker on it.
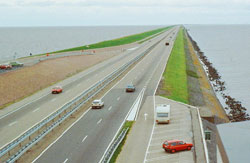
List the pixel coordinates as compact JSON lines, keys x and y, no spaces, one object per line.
{"x":20,"y":116}
{"x":88,"y":139}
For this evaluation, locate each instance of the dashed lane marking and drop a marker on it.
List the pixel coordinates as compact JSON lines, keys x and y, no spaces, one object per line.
{"x":11,"y":124}
{"x":110,"y":108}
{"x":36,"y":110}
{"x":99,"y":121}
{"x":65,"y":160}
{"x":84,"y":138}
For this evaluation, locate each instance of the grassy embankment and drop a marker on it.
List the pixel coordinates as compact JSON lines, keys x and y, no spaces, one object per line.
{"x":175,"y":75}
{"x":115,"y":42}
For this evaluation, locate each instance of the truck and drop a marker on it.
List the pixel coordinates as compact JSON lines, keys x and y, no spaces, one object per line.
{"x":162,"y":113}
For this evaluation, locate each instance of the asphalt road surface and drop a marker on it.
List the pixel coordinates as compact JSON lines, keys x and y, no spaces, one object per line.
{"x":87,"y":140}
{"x":20,"y":116}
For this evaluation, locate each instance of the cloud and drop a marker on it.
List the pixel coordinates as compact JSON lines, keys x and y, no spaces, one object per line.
{"x":151,"y":3}
{"x":111,"y":12}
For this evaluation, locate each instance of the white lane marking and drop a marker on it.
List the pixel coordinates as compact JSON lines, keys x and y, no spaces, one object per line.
{"x":35,"y":109}
{"x":60,"y":135}
{"x":150,"y":139}
{"x":53,"y":100}
{"x":118,"y":98}
{"x":23,"y":106}
{"x":68,"y":91}
{"x":96,"y":74}
{"x":99,"y":121}
{"x":84,"y":138}
{"x":110,"y":108}
{"x":127,"y":113}
{"x":11,"y":124}
{"x":65,"y":160}
{"x":145,"y":116}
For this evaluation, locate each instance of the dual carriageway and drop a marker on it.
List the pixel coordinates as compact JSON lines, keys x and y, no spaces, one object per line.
{"x":90,"y":136}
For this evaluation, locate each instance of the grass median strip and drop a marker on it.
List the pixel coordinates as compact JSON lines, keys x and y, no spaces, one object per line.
{"x":175,"y":75}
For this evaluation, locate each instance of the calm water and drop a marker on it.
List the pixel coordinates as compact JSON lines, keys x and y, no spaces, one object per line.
{"x":228,"y":48}
{"x":21,"y":41}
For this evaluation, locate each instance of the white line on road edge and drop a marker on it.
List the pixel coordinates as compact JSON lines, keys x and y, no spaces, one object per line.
{"x":11,"y":124}
{"x":145,"y":157}
{"x":110,"y":108}
{"x":61,"y":135}
{"x":36,"y":110}
{"x":23,"y":106}
{"x":99,"y":121}
{"x":118,"y":98}
{"x":126,"y":115}
{"x":65,"y":160}
{"x":59,"y":107}
{"x":84,"y":138}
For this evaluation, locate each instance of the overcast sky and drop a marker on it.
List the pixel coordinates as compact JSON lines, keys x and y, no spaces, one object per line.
{"x":122,"y":12}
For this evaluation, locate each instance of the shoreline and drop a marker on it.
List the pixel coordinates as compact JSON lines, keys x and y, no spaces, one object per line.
{"x":199,"y":89}
{"x":235,"y":111}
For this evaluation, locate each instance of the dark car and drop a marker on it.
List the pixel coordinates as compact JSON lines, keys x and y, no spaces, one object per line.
{"x":166,"y":43}
{"x":130,"y":88}
{"x":16,"y":64}
{"x":176,"y":145}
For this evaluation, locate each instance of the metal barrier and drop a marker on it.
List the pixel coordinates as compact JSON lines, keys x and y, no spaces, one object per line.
{"x":114,"y":146}
{"x":73,"y":106}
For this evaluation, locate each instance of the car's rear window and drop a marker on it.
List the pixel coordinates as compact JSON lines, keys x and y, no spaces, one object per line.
{"x":96,"y":102}
{"x":162,"y":114}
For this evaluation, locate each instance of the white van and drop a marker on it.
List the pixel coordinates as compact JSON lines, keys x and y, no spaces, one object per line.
{"x":162,"y":113}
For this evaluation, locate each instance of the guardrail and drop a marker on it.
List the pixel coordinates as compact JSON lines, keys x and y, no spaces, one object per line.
{"x":56,"y":118}
{"x":114,"y":146}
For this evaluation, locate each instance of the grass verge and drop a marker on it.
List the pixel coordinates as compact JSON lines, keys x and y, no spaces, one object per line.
{"x":175,"y":75}
{"x":114,"y":42}
{"x":128,"y":124}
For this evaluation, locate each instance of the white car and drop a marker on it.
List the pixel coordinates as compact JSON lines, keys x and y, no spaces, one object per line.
{"x":97,"y":104}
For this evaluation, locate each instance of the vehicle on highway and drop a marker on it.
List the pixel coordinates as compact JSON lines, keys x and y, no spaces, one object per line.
{"x":56,"y":90}
{"x":16,"y":64}
{"x":162,"y":113}
{"x":130,"y":88}
{"x":176,"y":145}
{"x":97,"y":104}
{"x":166,"y":43}
{"x":5,"y":66}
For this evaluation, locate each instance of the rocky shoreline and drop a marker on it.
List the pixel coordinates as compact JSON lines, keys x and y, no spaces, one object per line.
{"x":236,"y":112}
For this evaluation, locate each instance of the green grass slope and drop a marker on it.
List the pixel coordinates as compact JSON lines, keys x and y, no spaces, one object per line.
{"x":175,"y":76}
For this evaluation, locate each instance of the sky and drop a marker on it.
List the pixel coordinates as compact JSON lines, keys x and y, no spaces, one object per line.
{"x":122,"y":12}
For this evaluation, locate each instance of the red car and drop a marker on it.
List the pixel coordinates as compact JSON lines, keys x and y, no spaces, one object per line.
{"x":5,"y":66}
{"x":56,"y":90}
{"x":176,"y":145}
